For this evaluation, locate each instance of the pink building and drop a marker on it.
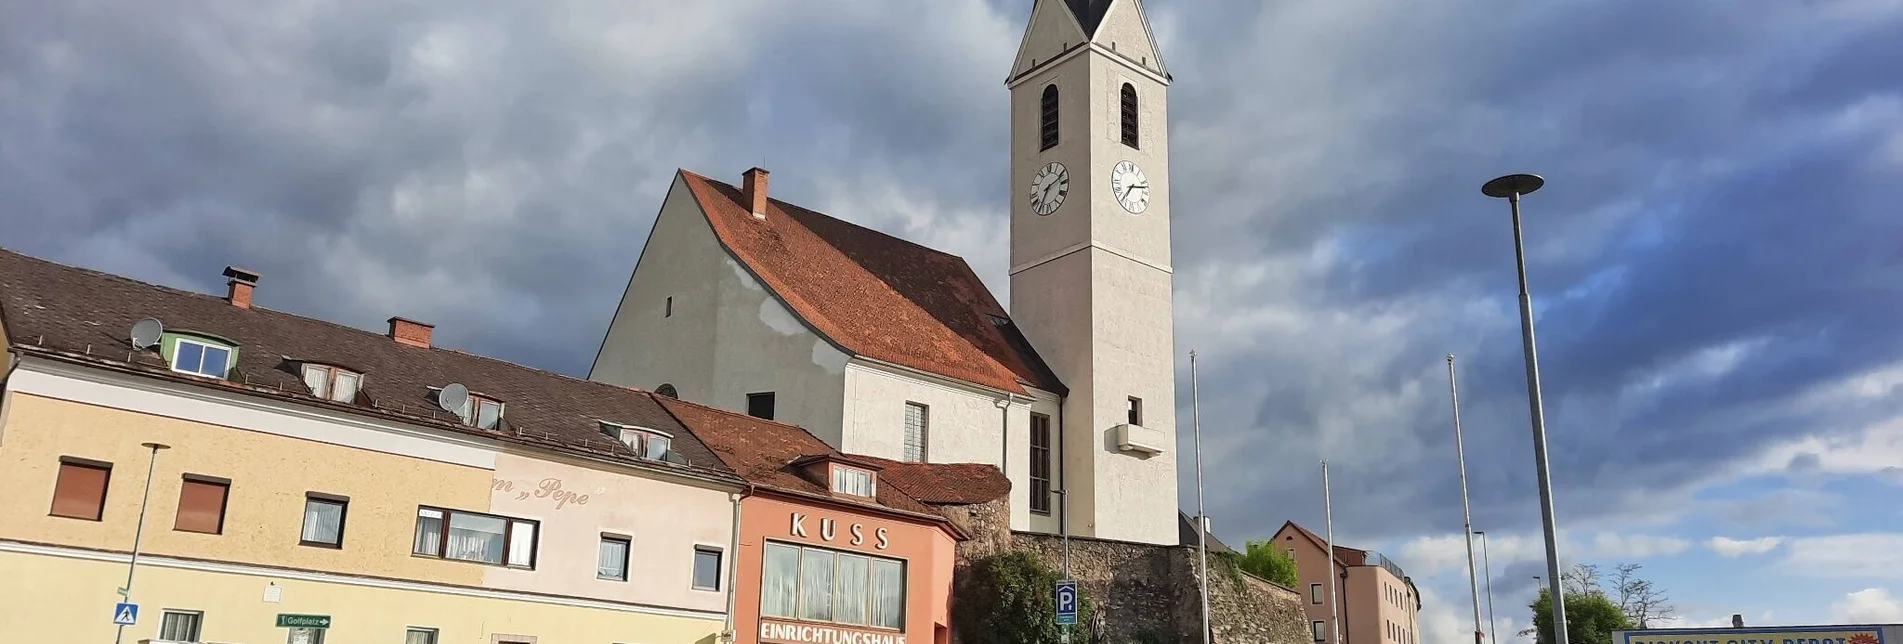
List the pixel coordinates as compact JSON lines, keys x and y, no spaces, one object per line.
{"x":1379,"y":603}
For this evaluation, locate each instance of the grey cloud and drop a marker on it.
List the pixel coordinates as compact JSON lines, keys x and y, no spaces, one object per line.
{"x":494,"y":167}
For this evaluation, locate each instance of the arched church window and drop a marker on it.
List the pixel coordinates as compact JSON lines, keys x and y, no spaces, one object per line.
{"x":1047,"y":122}
{"x":1129,"y":115}
{"x":667,"y":390}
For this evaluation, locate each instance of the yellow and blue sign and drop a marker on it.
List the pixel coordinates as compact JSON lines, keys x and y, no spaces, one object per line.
{"x":1790,"y":635}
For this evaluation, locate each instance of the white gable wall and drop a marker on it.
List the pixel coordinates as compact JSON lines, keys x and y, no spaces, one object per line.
{"x":728,"y":335}
{"x":964,"y":425}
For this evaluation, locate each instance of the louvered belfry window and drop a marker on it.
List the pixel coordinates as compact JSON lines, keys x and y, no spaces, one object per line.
{"x":1047,"y":120}
{"x":1129,"y":115}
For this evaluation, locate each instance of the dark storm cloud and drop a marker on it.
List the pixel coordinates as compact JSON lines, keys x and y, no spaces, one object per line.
{"x":1720,"y":178}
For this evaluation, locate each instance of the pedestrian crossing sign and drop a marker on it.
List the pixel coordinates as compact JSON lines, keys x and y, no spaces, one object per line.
{"x":125,"y":614}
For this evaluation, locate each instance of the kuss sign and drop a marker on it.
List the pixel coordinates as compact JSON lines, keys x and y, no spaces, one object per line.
{"x":828,"y":530}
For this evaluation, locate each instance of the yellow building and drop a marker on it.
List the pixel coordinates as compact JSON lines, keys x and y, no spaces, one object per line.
{"x":320,"y":483}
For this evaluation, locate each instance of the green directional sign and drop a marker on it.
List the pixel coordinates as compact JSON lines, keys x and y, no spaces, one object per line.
{"x":287,"y":620}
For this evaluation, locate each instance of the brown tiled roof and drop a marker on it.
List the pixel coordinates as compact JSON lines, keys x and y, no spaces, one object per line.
{"x":944,"y":483}
{"x":62,"y":311}
{"x":764,"y":453}
{"x":876,"y":295}
{"x":1344,"y":555}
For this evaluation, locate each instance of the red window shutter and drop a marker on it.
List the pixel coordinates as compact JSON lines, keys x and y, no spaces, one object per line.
{"x":201,"y":507}
{"x":80,"y":492}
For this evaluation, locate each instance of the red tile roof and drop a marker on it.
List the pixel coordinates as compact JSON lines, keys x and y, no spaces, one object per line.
{"x":79,"y":315}
{"x":944,"y":483}
{"x":876,"y":295}
{"x":770,"y":455}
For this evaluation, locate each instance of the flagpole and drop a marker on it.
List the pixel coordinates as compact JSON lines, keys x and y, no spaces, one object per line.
{"x":1202,"y":522}
{"x":1334,"y":598}
{"x":1466,"y":512}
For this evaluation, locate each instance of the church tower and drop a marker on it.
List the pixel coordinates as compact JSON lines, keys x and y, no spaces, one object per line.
{"x":1090,"y":256}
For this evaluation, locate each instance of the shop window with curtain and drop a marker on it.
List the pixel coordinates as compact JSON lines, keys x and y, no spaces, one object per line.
{"x":469,"y":536}
{"x":818,"y":584}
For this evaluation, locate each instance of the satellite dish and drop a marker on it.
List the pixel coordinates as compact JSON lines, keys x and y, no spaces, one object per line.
{"x":454,"y":398}
{"x":147,"y":332}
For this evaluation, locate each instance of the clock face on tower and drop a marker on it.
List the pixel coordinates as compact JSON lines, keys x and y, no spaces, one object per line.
{"x":1049,"y":187}
{"x":1130,"y":187}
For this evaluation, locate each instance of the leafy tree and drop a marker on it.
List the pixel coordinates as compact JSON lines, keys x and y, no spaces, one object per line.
{"x":1008,"y":598}
{"x":1264,"y":560}
{"x":1590,"y":618}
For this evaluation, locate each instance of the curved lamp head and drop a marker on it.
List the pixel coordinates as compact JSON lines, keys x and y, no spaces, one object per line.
{"x":155,"y":446}
{"x":1513,"y":185}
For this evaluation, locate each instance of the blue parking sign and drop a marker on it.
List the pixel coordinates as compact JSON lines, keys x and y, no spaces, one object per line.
{"x":1066,"y":602}
{"x":125,"y":614}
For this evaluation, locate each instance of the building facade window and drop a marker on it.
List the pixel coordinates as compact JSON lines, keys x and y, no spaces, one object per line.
{"x":1047,"y":119}
{"x":469,"y":536}
{"x":817,"y":584}
{"x":201,"y":505}
{"x":1129,"y":100}
{"x":852,"y":480}
{"x":80,"y":490}
{"x":707,"y":568}
{"x":612,"y":559}
{"x":324,"y":520}
{"x":487,"y":412}
{"x":419,"y":636}
{"x":180,"y":625}
{"x":200,"y":357}
{"x":916,"y":420}
{"x":331,"y":383}
{"x":668,"y":309}
{"x":1040,"y":464}
{"x":1314,"y":593}
{"x":1136,"y":411}
{"x":645,"y":443}
{"x":1315,"y":629}
{"x":760,"y":405}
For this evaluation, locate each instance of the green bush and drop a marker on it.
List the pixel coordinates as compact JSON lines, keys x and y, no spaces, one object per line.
{"x":1008,"y":598}
{"x":1265,"y":560}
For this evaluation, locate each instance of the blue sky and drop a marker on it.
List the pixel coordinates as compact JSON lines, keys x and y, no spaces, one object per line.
{"x":1714,"y":259}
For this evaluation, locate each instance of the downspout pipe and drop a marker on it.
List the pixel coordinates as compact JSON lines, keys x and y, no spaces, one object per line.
{"x":733,"y":563}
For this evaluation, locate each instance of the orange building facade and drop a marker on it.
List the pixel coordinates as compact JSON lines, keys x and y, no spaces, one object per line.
{"x":819,"y":573}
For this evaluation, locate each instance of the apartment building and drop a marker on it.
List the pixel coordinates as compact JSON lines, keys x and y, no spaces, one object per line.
{"x":291,"y":480}
{"x":1379,"y":602}
{"x":285,"y":479}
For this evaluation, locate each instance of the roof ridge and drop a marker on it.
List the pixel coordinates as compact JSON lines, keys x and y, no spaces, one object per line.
{"x":734,"y":414}
{"x":786,"y":204}
{"x":306,"y":318}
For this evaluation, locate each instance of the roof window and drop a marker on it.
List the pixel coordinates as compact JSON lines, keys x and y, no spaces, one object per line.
{"x":651,"y":444}
{"x":332,"y":383}
{"x":199,"y":355}
{"x":853,"y":481}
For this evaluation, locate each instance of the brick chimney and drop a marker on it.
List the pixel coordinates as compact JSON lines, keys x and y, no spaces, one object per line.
{"x":410,"y":332}
{"x":242,"y":282}
{"x":753,"y":188}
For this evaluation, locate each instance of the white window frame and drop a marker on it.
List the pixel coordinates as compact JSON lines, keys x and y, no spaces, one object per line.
{"x":842,"y":473}
{"x":508,"y":539}
{"x":905,"y":590}
{"x":198,"y":623}
{"x":202,"y":344}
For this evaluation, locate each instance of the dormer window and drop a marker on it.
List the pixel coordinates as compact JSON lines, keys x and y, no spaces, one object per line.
{"x":332,"y":383}
{"x":852,"y":480}
{"x":646,"y":443}
{"x":488,"y":412}
{"x":201,"y":356}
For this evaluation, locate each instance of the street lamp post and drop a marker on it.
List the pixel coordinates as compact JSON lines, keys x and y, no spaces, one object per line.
{"x":1511,"y":187}
{"x":1487,"y":561}
{"x":138,"y":533}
